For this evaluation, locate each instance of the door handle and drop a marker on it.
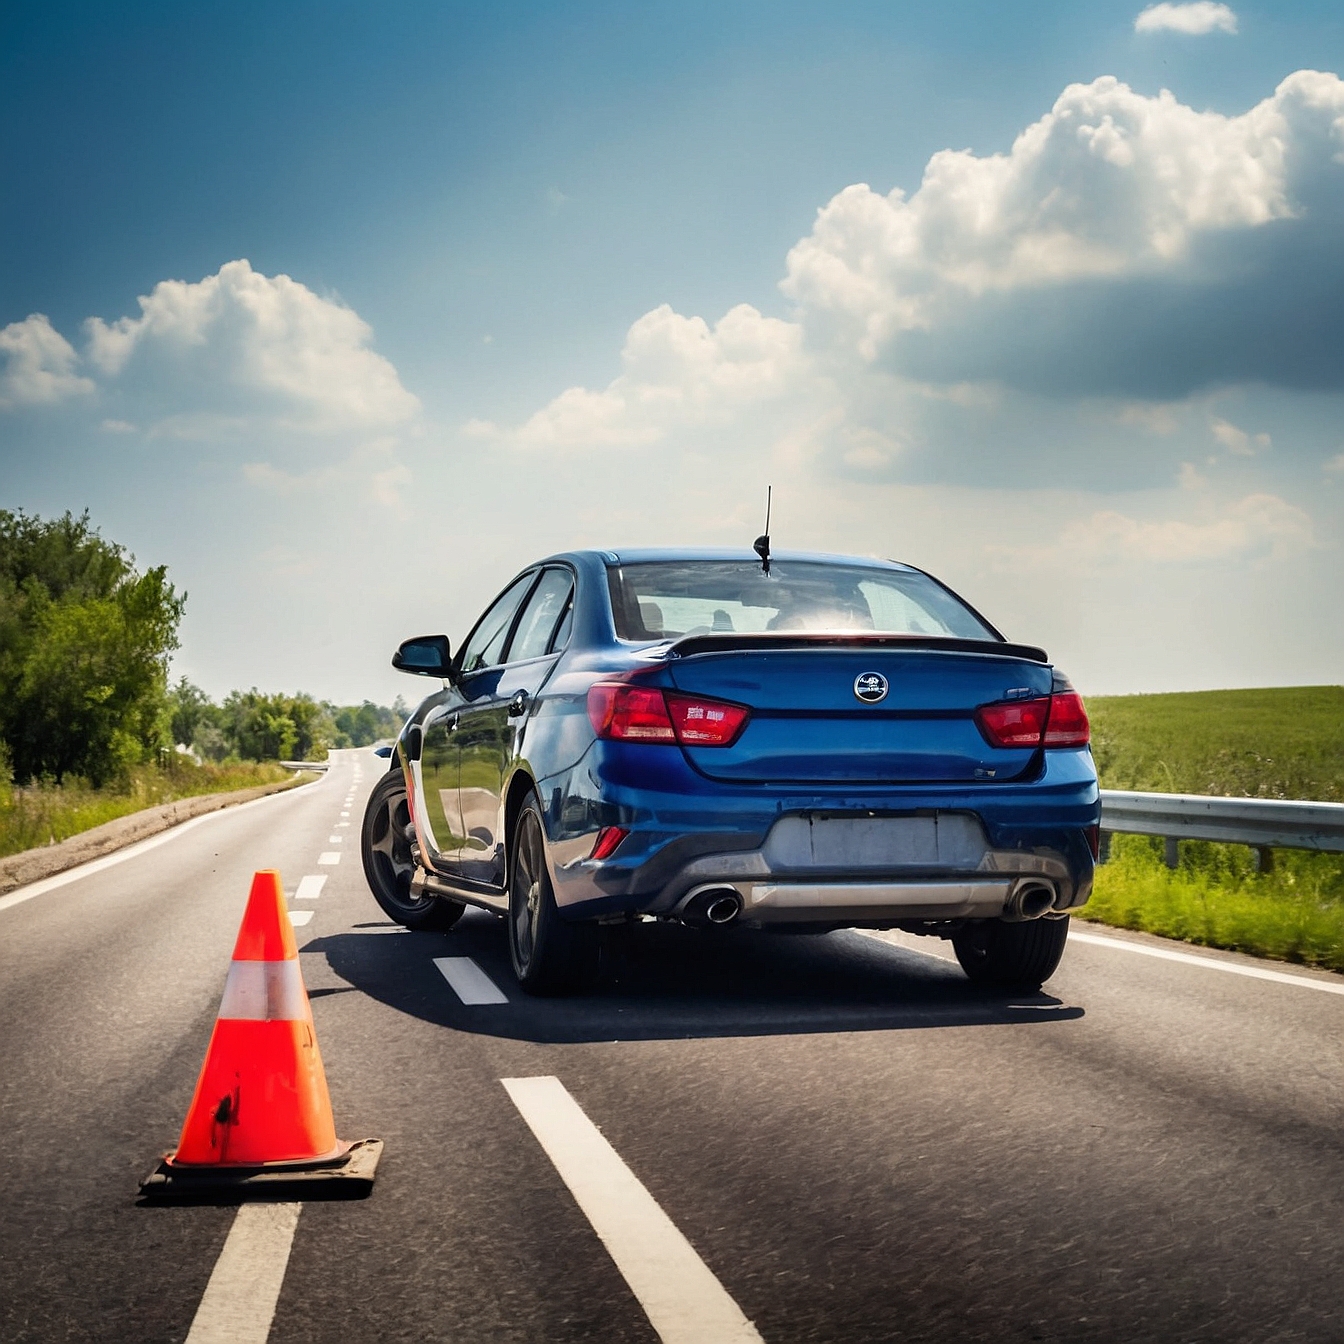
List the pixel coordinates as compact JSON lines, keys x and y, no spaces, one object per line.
{"x":518,"y":705}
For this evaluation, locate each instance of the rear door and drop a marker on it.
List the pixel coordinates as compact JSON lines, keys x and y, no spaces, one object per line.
{"x":498,"y":694}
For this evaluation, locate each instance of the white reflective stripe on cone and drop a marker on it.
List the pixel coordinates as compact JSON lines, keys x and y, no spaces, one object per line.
{"x":265,"y":991}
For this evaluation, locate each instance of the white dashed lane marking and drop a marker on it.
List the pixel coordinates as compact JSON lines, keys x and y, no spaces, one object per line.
{"x":239,"y":1301}
{"x":310,"y":887}
{"x":469,"y":982}
{"x":330,"y":857}
{"x":683,"y":1300}
{"x":335,"y":839}
{"x":297,"y":917}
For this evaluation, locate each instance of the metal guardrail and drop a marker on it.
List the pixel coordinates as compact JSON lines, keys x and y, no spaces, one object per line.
{"x":304,"y":765}
{"x":1266,"y":824}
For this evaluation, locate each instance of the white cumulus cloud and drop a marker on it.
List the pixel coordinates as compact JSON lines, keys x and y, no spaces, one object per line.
{"x":240,"y":346}
{"x":1237,"y":441}
{"x":1072,"y":309}
{"x":1109,"y":187}
{"x":38,"y":364}
{"x":676,"y":372}
{"x":1196,"y":19}
{"x":1258,"y":527}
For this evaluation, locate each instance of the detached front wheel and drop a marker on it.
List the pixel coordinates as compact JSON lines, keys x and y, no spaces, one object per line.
{"x":385,"y":847}
{"x":549,"y":955}
{"x":1015,"y":957}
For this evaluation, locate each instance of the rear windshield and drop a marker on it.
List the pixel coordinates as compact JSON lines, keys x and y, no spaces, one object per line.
{"x":666,"y":599}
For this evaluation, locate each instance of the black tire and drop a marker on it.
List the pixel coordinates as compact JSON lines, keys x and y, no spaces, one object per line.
{"x":1016,"y":957}
{"x":388,"y":865}
{"x":549,"y":954}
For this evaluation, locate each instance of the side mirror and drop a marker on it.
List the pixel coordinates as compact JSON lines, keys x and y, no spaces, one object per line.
{"x":427,"y":656}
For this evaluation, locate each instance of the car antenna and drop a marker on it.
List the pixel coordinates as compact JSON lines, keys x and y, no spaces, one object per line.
{"x":762,"y":543}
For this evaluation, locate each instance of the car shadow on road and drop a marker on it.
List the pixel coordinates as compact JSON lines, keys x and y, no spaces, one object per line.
{"x":665,"y":982}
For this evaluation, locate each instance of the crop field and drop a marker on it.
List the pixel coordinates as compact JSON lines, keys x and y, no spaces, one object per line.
{"x":1277,"y":743}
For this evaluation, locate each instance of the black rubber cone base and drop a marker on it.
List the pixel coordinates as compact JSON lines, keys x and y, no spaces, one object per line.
{"x":349,"y":1176}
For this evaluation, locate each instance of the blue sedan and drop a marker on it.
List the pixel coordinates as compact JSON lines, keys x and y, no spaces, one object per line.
{"x":794,"y":743}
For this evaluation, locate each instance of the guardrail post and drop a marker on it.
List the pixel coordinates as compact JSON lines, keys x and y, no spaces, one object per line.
{"x":1104,"y":847}
{"x":1264,"y":859}
{"x":1173,"y":852}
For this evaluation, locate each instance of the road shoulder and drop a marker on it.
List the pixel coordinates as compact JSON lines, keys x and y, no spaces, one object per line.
{"x":33,"y":865}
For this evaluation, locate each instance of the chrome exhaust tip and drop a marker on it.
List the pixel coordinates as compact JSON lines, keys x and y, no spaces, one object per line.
{"x":715,"y":905}
{"x":723,"y":909}
{"x":1030,"y":900}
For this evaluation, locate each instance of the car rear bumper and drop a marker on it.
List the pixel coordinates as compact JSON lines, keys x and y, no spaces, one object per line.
{"x":1002,"y":884}
{"x":876,"y":858}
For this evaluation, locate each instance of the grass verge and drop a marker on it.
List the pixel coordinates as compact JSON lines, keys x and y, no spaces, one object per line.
{"x":1280,"y":742}
{"x":1216,"y":898}
{"x":42,"y":814}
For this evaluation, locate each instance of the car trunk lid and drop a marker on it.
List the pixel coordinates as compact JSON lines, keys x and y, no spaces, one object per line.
{"x":841,"y":709}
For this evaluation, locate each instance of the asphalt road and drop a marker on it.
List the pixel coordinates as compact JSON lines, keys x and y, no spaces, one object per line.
{"x":855,"y":1143}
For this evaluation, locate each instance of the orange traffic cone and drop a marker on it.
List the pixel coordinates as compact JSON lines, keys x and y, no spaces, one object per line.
{"x":261,"y":1116}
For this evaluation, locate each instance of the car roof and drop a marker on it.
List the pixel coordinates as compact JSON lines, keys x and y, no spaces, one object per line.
{"x":649,"y":554}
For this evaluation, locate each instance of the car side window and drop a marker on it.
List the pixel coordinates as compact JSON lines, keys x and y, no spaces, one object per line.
{"x":485,"y":648}
{"x":566,"y":625}
{"x":537,"y":624}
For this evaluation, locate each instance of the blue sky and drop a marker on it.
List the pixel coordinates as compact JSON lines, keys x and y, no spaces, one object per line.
{"x":521,"y":277}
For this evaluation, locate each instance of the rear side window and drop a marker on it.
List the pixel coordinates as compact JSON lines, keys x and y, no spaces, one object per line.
{"x":485,"y":647}
{"x":667,"y":599}
{"x":541,"y":615}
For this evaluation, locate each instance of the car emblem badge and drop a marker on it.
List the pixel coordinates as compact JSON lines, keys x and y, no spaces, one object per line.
{"x":870,"y":687}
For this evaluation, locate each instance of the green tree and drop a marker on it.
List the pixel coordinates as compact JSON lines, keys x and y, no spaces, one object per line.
{"x":190,"y":710}
{"x":361,"y":725}
{"x":84,"y":646}
{"x":262,"y":727}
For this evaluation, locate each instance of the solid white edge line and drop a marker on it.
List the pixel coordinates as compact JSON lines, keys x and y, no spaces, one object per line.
{"x":239,"y":1302}
{"x":683,"y":1300}
{"x":1209,"y":963}
{"x":468,"y":981}
{"x":310,"y":887}
{"x":46,"y":884}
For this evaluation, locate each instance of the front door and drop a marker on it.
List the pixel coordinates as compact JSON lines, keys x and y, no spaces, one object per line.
{"x":496,"y":702}
{"x":439,"y":788}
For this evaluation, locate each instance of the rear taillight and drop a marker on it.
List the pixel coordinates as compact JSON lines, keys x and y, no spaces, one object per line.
{"x":706,"y":723}
{"x":629,"y":713}
{"x":1017,"y":723}
{"x":626,"y":713}
{"x":1057,"y":720}
{"x":608,"y":841}
{"x":1068,"y":725}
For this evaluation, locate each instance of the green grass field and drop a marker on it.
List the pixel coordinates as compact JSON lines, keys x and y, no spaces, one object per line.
{"x":43,"y":813}
{"x":1277,"y":743}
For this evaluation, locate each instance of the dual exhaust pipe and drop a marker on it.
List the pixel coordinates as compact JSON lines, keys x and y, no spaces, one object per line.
{"x":719,"y":906}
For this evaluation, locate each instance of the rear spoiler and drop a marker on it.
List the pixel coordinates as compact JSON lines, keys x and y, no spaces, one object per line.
{"x":691,"y":645}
